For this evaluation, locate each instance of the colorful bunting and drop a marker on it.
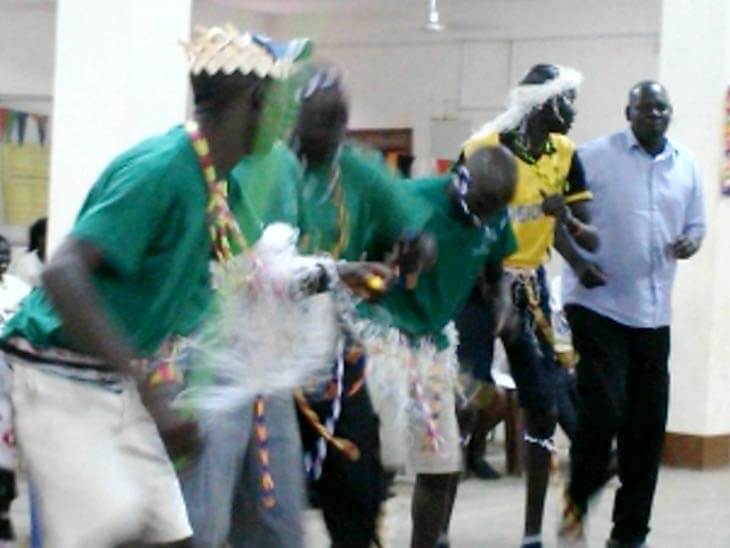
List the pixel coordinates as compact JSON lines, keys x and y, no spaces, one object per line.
{"x":725,"y":184}
{"x":3,"y":121}
{"x":21,"y":118}
{"x":10,"y":126}
{"x":13,"y":125}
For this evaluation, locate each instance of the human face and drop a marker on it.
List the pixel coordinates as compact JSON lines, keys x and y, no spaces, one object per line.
{"x":559,"y":112}
{"x":649,"y":112}
{"x":321,"y":126}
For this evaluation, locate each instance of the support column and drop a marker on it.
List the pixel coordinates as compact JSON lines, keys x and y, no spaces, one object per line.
{"x":120,"y":76}
{"x":694,"y":64}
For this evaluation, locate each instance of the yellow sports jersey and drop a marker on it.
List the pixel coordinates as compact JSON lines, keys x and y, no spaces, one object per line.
{"x":549,"y":175}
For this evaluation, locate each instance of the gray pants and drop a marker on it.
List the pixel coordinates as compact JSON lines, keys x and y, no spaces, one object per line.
{"x":223,"y":490}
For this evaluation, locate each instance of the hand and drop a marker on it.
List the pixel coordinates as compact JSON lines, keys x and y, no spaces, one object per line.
{"x":411,"y":256}
{"x":368,"y":280}
{"x":315,"y":280}
{"x":590,"y":275}
{"x":179,"y":435}
{"x":554,"y":205}
{"x":684,"y":247}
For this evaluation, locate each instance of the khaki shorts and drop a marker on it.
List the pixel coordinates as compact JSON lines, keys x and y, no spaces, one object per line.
{"x":95,"y":461}
{"x":436,"y":378}
{"x":393,"y":365}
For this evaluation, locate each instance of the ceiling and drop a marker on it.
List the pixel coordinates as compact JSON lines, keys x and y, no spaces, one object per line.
{"x":27,"y":5}
{"x":309,"y":6}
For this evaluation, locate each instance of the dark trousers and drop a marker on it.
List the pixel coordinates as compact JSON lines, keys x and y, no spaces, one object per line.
{"x":623,"y":394}
{"x":350,"y":493}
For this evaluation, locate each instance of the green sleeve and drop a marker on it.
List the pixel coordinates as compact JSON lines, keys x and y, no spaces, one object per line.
{"x":263,"y":191}
{"x":392,"y":208}
{"x":281,"y":176}
{"x":123,"y":213}
{"x":248,"y":218}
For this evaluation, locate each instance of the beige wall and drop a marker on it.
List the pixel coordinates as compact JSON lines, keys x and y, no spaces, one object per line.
{"x":400,"y":75}
{"x":694,"y":64}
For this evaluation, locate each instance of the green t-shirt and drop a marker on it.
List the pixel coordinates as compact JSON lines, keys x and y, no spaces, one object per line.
{"x":462,"y":253}
{"x":377,"y":207}
{"x":146,"y":215}
{"x":377,"y":211}
{"x":262,"y":189}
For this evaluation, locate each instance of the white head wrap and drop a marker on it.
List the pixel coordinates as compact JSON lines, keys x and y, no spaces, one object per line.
{"x":525,"y":97}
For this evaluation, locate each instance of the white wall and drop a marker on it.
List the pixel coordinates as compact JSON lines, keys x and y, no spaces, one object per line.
{"x":27,"y":34}
{"x":27,"y":46}
{"x":401,"y":76}
{"x":120,"y":77}
{"x":695,"y":64}
{"x":209,"y":13}
{"x":26,"y":49}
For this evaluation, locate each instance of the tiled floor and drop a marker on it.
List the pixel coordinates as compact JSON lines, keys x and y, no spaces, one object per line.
{"x":692,"y":510}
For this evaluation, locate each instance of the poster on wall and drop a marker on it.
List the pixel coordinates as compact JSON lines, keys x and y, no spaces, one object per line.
{"x":24,"y":183}
{"x":24,"y":167}
{"x":725,"y":177}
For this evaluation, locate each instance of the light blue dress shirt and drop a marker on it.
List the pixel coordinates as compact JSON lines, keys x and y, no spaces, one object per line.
{"x":641,"y":205}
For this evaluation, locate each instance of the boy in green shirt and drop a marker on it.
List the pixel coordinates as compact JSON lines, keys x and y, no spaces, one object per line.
{"x":133,"y":271}
{"x":471,"y":227}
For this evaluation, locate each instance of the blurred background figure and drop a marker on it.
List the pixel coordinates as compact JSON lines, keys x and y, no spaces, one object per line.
{"x":29,"y":266}
{"x":12,"y":291}
{"x":12,"y":287}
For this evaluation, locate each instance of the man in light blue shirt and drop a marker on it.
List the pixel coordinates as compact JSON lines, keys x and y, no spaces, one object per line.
{"x":647,"y":207}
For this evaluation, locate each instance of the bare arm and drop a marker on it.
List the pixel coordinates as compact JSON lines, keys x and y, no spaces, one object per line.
{"x":495,"y":292}
{"x":579,"y":227}
{"x":575,"y":218}
{"x":588,"y":272}
{"x":67,"y":280}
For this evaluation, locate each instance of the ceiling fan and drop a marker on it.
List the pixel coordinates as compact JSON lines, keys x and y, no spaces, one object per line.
{"x":434,"y":22}
{"x":456,"y":24}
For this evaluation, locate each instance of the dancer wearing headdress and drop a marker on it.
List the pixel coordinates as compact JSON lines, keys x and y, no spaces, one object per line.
{"x":133,"y":271}
{"x":549,"y":206}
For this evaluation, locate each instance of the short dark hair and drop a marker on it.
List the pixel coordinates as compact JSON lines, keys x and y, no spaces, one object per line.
{"x":36,"y":233}
{"x":540,"y":73}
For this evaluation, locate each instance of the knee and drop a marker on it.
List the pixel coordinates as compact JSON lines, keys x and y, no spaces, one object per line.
{"x":541,"y":424}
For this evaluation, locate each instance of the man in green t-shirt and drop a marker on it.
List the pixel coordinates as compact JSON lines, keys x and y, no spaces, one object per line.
{"x":133,"y":271}
{"x":351,"y":206}
{"x":348,"y":205}
{"x":471,"y":227}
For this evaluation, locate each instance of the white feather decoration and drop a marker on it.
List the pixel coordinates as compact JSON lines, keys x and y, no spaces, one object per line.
{"x":524,"y":98}
{"x":268,"y":334}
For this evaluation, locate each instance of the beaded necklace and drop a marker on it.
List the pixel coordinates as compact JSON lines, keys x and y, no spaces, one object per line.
{"x":521,"y":150}
{"x":342,"y":221}
{"x":223,"y":226}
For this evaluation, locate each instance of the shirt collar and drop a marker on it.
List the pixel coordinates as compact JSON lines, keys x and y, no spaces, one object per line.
{"x":633,"y":144}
